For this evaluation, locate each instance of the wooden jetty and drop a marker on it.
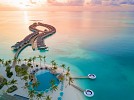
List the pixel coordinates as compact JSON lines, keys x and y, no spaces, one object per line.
{"x":81,"y":77}
{"x":77,"y":87}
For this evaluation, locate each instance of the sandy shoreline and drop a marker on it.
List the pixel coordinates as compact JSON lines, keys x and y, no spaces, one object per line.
{"x":70,"y":93}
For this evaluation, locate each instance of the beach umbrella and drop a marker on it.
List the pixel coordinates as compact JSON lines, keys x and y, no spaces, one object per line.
{"x":50,"y":88}
{"x":47,"y":90}
{"x":59,"y":98}
{"x":42,"y":92}
{"x":56,"y":84}
{"x":61,"y":93}
{"x":36,"y":92}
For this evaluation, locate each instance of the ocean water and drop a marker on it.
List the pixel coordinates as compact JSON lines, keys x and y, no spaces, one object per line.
{"x":89,"y":42}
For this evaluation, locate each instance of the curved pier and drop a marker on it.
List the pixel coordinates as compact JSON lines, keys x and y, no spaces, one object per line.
{"x":29,"y":40}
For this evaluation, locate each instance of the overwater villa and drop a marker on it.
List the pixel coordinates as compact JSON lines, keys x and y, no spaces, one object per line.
{"x":24,"y":41}
{"x":40,"y":35}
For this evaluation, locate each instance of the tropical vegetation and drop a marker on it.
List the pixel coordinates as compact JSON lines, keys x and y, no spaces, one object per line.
{"x":22,"y":72}
{"x":12,"y":89}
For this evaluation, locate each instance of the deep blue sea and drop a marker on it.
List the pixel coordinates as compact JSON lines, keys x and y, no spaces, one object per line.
{"x":89,"y":42}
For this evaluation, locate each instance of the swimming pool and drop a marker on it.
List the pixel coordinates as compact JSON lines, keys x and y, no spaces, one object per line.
{"x":44,"y":77}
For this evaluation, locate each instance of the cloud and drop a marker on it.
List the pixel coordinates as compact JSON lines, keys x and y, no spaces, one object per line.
{"x":66,"y":2}
{"x":76,"y":2}
{"x":71,"y":5}
{"x":71,"y":2}
{"x":109,"y":2}
{"x":89,"y":2}
{"x":95,"y":1}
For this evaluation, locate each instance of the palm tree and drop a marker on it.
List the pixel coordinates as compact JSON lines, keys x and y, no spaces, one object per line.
{"x":33,"y":59}
{"x":67,"y":74}
{"x":52,"y":62}
{"x":48,"y":98}
{"x":39,"y":96}
{"x":31,"y":93}
{"x":29,"y":65}
{"x":13,"y":81}
{"x":17,"y":69}
{"x":55,"y":66}
{"x":68,"y":69}
{"x":2,"y":61}
{"x":8,"y":69}
{"x":30,"y":60}
{"x":40,"y":57}
{"x":6,"y":83}
{"x":6,"y":64}
{"x":19,"y":61}
{"x":9,"y":61}
{"x":63,"y":66}
{"x":15,"y":59}
{"x":70,"y":80}
{"x":54,"y":87}
{"x":27,"y":86}
{"x":36,"y":84}
{"x":62,"y":79}
{"x":23,"y":72}
{"x":25,"y":61}
{"x":25,"y":78}
{"x":52,"y":82}
{"x":44,"y":57}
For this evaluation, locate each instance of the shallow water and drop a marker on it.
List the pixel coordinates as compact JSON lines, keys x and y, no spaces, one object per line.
{"x":88,"y":42}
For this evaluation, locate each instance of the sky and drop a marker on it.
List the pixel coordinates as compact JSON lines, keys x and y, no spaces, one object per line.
{"x":121,"y":5}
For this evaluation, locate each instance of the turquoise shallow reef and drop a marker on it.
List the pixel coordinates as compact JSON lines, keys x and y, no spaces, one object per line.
{"x":89,"y":42}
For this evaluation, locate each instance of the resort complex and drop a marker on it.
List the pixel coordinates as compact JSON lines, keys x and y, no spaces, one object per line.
{"x":31,"y":80}
{"x":25,"y":79}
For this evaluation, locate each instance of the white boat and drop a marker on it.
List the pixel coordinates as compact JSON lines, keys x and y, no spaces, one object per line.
{"x":89,"y":93}
{"x":92,"y":76}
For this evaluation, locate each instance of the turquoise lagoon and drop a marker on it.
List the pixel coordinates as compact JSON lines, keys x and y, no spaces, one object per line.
{"x":89,"y":42}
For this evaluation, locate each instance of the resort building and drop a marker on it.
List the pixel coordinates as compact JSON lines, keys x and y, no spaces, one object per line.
{"x":39,"y":34}
{"x":40,"y":42}
{"x":24,"y":41}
